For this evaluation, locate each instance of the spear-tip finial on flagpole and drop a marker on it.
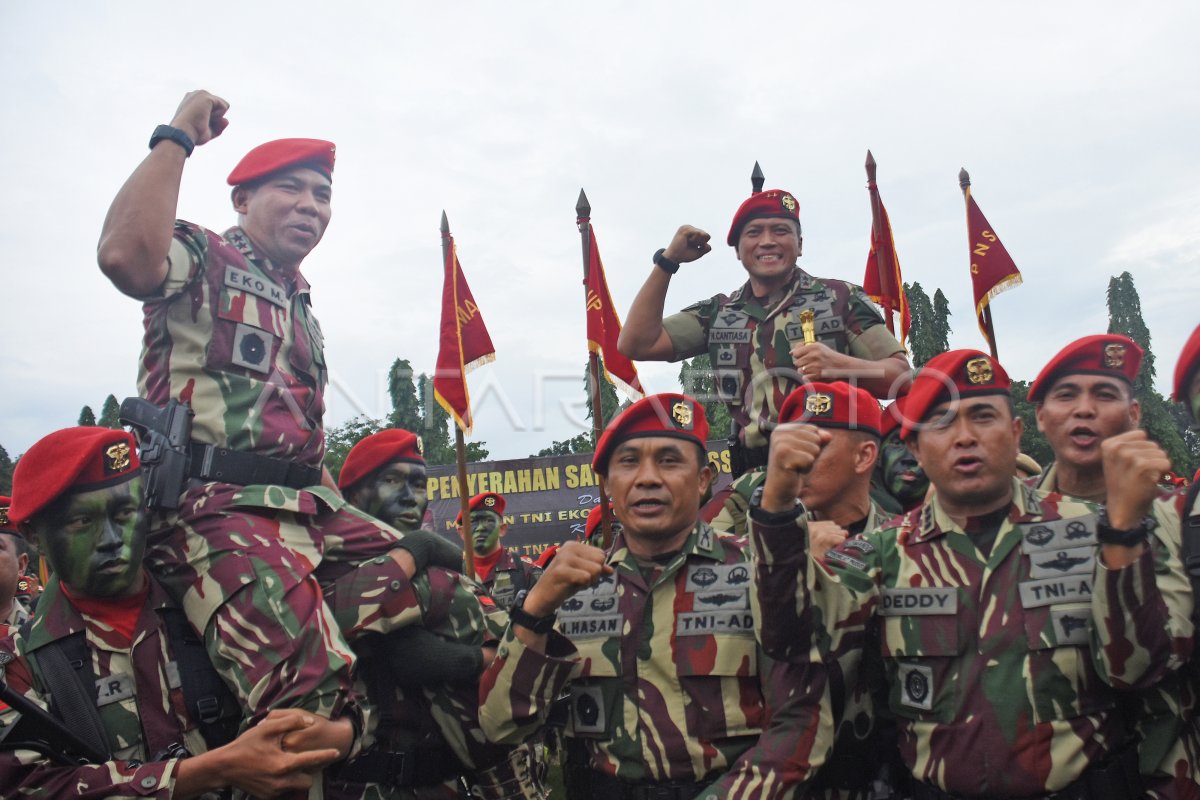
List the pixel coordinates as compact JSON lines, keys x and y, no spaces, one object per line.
{"x":582,"y":207}
{"x":964,"y":180}
{"x":870,"y":167}
{"x":445,"y":222}
{"x":757,"y":179}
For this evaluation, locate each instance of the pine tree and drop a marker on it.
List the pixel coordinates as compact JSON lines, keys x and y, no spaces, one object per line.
{"x":941,"y":321}
{"x":1033,"y":443}
{"x":696,"y":379}
{"x":1159,"y":421}
{"x":110,"y":413}
{"x":87,"y":416}
{"x":6,"y":471}
{"x":406,"y":409}
{"x":929,"y":332}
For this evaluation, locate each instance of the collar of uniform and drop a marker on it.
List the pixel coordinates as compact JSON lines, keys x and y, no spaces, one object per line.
{"x":703,"y":541}
{"x":744,"y":295}
{"x":57,"y":618}
{"x":932,"y":520}
{"x":293,"y":283}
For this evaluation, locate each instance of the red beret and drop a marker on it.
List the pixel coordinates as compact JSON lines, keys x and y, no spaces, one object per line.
{"x":892,"y":416}
{"x":832,"y":405}
{"x":670,"y":414}
{"x":6,"y":525}
{"x":763,"y":205}
{"x":77,"y":459}
{"x":963,"y":373}
{"x":26,"y":586}
{"x":488,"y":501}
{"x":1108,"y":354}
{"x":281,"y":154}
{"x":371,"y":453}
{"x":1189,"y":360}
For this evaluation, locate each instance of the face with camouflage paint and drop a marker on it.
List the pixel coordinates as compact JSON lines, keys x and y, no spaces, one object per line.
{"x":486,"y":529}
{"x":900,"y":473}
{"x":95,"y":540}
{"x":396,"y":493}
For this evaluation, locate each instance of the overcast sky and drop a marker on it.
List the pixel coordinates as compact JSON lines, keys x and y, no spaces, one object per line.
{"x":1076,"y":120}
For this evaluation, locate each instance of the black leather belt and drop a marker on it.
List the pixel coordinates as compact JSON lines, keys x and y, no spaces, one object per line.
{"x":421,"y":766}
{"x":210,"y":463}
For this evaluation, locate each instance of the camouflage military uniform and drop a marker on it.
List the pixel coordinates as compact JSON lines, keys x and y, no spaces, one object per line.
{"x":1143,"y":641}
{"x":746,"y":341}
{"x":509,"y":576}
{"x":237,"y":339}
{"x":985,"y":655}
{"x":140,"y":702}
{"x":666,"y":680}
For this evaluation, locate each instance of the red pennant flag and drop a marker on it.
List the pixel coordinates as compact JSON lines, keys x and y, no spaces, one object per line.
{"x":882,"y":282}
{"x":992,"y":268}
{"x":604,"y":326}
{"x":465,"y":343}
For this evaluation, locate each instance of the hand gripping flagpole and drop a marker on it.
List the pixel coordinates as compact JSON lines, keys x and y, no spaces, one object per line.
{"x":583,"y":220}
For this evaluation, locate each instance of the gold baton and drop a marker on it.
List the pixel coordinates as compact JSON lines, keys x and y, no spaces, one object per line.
{"x":808,"y":326}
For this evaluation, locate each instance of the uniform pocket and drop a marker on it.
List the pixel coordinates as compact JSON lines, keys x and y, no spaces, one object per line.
{"x":246,"y":338}
{"x":920,"y":654}
{"x":719,"y":674}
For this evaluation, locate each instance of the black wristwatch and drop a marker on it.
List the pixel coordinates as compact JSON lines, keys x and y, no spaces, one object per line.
{"x":759,"y":514}
{"x":519,"y":616}
{"x":166,"y":132}
{"x":1132,"y":537}
{"x":665,"y":264}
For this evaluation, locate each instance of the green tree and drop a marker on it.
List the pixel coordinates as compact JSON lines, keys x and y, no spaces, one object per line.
{"x":696,"y":379}
{"x":110,"y":413}
{"x":87,"y":416}
{"x":406,"y":408}
{"x":929,"y":331}
{"x":1033,"y":443}
{"x":1160,"y":421}
{"x":6,"y":471}
{"x":339,"y":440}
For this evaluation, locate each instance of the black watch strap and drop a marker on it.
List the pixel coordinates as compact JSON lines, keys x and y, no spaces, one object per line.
{"x":166,"y":132}
{"x":519,"y":616}
{"x":1132,"y":537}
{"x":665,"y":264}
{"x":761,"y":515}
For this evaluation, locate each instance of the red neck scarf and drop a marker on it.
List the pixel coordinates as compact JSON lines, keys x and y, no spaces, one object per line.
{"x":119,"y":613}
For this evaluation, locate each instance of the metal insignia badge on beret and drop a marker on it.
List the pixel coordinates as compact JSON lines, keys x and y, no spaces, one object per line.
{"x":420,"y":446}
{"x":116,"y":458}
{"x":818,"y":404}
{"x":681,"y":412}
{"x":979,"y":371}
{"x":489,"y":501}
{"x":1114,"y":356}
{"x":788,"y":202}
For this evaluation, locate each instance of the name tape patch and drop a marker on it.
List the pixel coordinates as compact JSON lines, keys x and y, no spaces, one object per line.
{"x":699,"y":623}
{"x":1056,"y":591}
{"x":919,"y":601}
{"x":249,"y":282}
{"x":593,"y":627}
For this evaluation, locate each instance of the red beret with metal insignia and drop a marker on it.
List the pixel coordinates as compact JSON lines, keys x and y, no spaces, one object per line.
{"x":832,"y":405}
{"x":488,"y":501}
{"x":957,"y":373}
{"x":393,"y":444}
{"x":763,"y":205}
{"x":281,"y":154}
{"x":1189,"y":360}
{"x":26,"y":586}
{"x":670,"y":414}
{"x":6,"y":525}
{"x":74,"y":459}
{"x":1108,"y":354}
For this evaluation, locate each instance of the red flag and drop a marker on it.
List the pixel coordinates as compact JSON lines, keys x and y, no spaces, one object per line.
{"x":883,"y":282}
{"x":992,"y":268}
{"x":603,"y":327}
{"x":465,"y":343}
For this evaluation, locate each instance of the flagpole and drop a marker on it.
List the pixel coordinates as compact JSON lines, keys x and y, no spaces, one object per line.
{"x":460,"y":447}
{"x":877,"y":227}
{"x":964,"y":183}
{"x":757,"y":179}
{"x":583,"y":215}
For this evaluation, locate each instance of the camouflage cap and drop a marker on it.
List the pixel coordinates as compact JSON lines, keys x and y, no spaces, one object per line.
{"x":73,"y":459}
{"x":1108,"y":354}
{"x":763,"y":205}
{"x":384,"y":447}
{"x":832,"y":405}
{"x":1189,"y":361}
{"x":957,"y":373}
{"x":283,"y":153}
{"x":670,"y":414}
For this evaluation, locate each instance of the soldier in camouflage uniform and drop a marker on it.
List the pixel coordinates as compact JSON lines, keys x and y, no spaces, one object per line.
{"x":433,"y":714}
{"x":13,"y":563}
{"x":1144,"y":631}
{"x":501,"y":574}
{"x":899,"y":483}
{"x":79,"y":492}
{"x":255,"y":539}
{"x":670,"y":696}
{"x":978,"y":602}
{"x":755,"y":336}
